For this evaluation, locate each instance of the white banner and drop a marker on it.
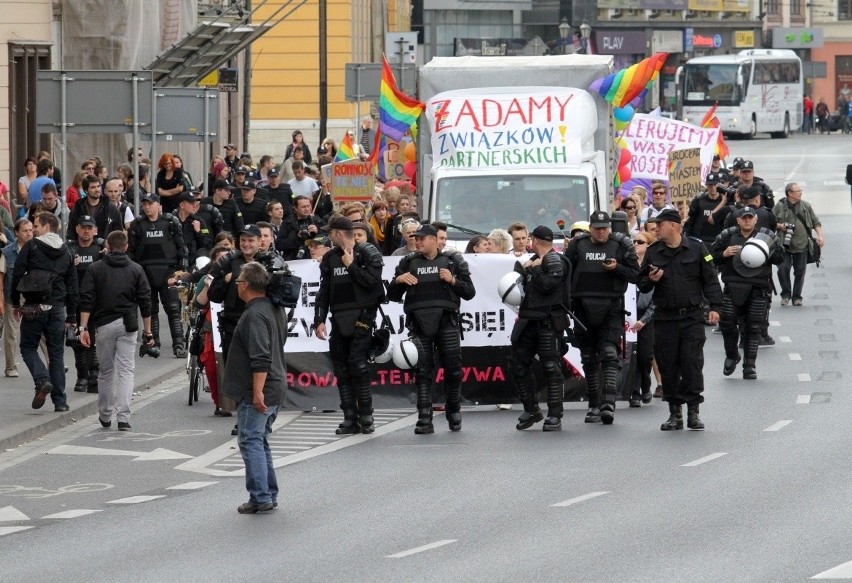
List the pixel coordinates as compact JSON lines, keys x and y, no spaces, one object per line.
{"x":514,"y":127}
{"x":650,"y":139}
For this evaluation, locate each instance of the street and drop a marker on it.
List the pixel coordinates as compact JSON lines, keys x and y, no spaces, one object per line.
{"x":763,"y":495}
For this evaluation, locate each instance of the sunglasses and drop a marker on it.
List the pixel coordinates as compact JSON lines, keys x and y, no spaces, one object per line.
{"x":630,"y":208}
{"x":640,"y":242}
{"x":659,"y":192}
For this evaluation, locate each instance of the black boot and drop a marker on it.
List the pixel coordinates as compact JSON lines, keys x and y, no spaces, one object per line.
{"x":675,"y":420}
{"x":350,"y":423}
{"x":532,"y":414}
{"x":554,"y":416}
{"x":749,"y":370}
{"x":424,"y":422}
{"x":593,"y":415}
{"x":81,"y":386}
{"x":82,"y":383}
{"x":693,"y":421}
{"x":92,"y":384}
{"x":365,"y":409}
{"x":730,"y":365}
{"x":94,"y":368}
{"x":176,"y":329}
{"x":607,"y":413}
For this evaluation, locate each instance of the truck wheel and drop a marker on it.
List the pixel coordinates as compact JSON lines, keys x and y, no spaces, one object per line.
{"x":752,"y":132}
{"x":785,"y":133}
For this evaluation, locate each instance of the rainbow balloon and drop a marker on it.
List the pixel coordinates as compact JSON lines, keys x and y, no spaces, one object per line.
{"x":625,"y":86}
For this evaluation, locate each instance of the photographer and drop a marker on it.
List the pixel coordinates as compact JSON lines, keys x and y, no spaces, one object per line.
{"x":796,"y":219}
{"x":109,"y":295}
{"x":297,"y":228}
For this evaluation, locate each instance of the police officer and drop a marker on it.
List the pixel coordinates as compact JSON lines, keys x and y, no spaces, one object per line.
{"x":434,"y":283}
{"x":275,"y":189}
{"x":603,"y":264}
{"x":540,"y":324}
{"x":86,"y":250}
{"x":208,"y":213}
{"x":196,"y":235}
{"x":700,"y":223}
{"x":232,"y":218}
{"x":252,"y":208}
{"x":747,"y":178}
{"x":156,"y":243}
{"x":680,"y":272}
{"x":746,"y":289}
{"x":351,"y":288}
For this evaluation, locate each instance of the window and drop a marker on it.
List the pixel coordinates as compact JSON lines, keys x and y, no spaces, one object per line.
{"x":795,"y":7}
{"x":772,"y":8}
{"x":844,"y":9}
{"x":24,"y":61}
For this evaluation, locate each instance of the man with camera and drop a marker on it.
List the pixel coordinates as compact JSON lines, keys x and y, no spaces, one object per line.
{"x":110,"y":294}
{"x":796,"y":220}
{"x":297,"y":229}
{"x":351,"y":288}
{"x":746,"y":291}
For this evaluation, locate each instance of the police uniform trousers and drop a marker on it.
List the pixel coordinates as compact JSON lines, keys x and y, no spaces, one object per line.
{"x":447,"y":342}
{"x":86,"y":363}
{"x":531,"y":337}
{"x":743,"y":314}
{"x":349,"y":348}
{"x":598,"y":345}
{"x":171,"y":305}
{"x":679,"y":351}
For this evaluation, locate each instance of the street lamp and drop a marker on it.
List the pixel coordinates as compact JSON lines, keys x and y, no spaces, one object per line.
{"x":564,"y":33}
{"x":585,"y":34}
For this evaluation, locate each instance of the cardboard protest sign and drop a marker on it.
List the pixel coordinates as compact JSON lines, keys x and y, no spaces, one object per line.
{"x":650,"y":139}
{"x":352,"y":181}
{"x":684,"y":174}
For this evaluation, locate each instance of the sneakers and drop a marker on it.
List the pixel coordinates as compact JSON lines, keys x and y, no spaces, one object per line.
{"x":218,"y":412}
{"x":607,"y":413}
{"x":785,"y":301}
{"x":529,"y":418}
{"x":730,"y":365}
{"x":42,"y":390}
{"x":253,"y":507}
{"x":235,"y":430}
{"x":12,"y":373}
{"x":105,"y":424}
{"x":593,"y":415}
{"x":797,"y":302}
{"x":658,"y":392}
{"x":123,"y":426}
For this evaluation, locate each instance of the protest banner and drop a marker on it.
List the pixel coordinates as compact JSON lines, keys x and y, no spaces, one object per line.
{"x":650,"y":139}
{"x":352,"y":180}
{"x":684,"y":174}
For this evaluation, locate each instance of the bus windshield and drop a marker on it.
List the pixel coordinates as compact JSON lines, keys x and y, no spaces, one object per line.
{"x":707,"y":84}
{"x":484,"y":203}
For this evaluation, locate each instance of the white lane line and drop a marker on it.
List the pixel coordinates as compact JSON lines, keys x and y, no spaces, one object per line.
{"x":191,"y":486}
{"x":843,"y":571}
{"x":134,"y":499}
{"x":415,"y":550}
{"x":789,"y":177}
{"x":703,"y":460}
{"x":10,"y":513}
{"x":4,"y":530}
{"x":804,"y":377}
{"x":794,"y":356}
{"x":803,"y":399}
{"x":582,"y":498}
{"x":774,"y":323}
{"x":72,"y":513}
{"x":778,"y":425}
{"x":785,"y":339}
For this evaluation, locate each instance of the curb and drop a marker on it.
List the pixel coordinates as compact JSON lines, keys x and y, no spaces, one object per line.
{"x":70,"y":417}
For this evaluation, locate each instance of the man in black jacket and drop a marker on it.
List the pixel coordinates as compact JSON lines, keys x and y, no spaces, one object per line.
{"x":86,"y":251}
{"x":106,"y":215}
{"x":252,"y":208}
{"x":232,"y":218}
{"x":196,"y":234}
{"x":110,"y":294}
{"x":45,"y":267}
{"x":297,"y":228}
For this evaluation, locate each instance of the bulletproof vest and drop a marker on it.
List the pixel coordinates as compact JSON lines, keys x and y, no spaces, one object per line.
{"x":733,"y":271}
{"x":87,"y":255}
{"x":539,"y":303}
{"x":590,"y":278}
{"x":430,"y":291}
{"x":344,"y":293}
{"x":155,"y":245}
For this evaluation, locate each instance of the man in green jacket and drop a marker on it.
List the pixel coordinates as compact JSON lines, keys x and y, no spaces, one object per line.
{"x":796,"y":220}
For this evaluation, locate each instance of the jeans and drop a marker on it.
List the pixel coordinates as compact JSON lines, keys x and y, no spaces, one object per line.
{"x":254,"y":427}
{"x":799,"y":264}
{"x":51,"y":325}
{"x":116,"y":352}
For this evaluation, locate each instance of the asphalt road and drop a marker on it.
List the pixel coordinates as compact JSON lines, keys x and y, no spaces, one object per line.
{"x":763,"y":495}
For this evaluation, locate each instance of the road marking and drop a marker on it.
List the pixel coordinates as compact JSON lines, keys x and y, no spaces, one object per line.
{"x":774,"y":323}
{"x":803,"y":399}
{"x":10,"y":513}
{"x":582,"y":498}
{"x":795,"y":169}
{"x":843,"y":571}
{"x":785,"y":339}
{"x":72,"y":513}
{"x":779,"y":425}
{"x":416,"y":550}
{"x":832,"y":182}
{"x":157,"y":454}
{"x":134,"y":499}
{"x":191,"y":486}
{"x":794,"y":356}
{"x":703,"y":460}
{"x":804,"y":377}
{"x":4,"y":530}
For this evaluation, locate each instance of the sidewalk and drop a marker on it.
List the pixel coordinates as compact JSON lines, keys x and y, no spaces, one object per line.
{"x":20,"y":423}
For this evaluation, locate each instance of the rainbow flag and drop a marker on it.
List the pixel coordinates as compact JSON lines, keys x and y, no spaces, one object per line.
{"x":345,"y":151}
{"x":622,"y":87}
{"x":711,"y":121}
{"x":398,"y":112}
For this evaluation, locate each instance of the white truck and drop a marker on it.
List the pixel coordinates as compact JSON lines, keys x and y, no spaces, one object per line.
{"x":509,"y":139}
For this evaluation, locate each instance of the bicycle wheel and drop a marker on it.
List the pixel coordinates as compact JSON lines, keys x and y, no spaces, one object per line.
{"x":194,"y":381}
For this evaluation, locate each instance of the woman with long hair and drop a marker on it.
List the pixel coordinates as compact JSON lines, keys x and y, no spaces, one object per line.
{"x":169,"y":182}
{"x":478,"y":244}
{"x":328,"y":148}
{"x":379,"y":220}
{"x":72,"y":194}
{"x":298,"y":143}
{"x":634,"y":224}
{"x":24,"y":181}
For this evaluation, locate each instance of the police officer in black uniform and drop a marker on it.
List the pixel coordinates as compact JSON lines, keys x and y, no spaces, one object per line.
{"x":746,"y":289}
{"x":701,"y":224}
{"x":85,"y":250}
{"x":251,"y":207}
{"x":155,"y":241}
{"x":275,"y":189}
{"x":232,"y":218}
{"x":603,"y":264}
{"x":680,"y":272}
{"x":196,"y":235}
{"x":207,"y":213}
{"x":351,"y":288}
{"x":541,"y":322}
{"x":434,"y":283}
{"x":747,"y":178}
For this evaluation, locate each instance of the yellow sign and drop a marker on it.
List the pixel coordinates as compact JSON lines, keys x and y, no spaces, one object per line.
{"x":211,"y":79}
{"x":743,"y":39}
{"x":684,"y":174}
{"x":737,"y":6}
{"x":711,"y":5}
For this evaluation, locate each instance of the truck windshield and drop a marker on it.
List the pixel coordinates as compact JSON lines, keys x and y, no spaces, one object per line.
{"x":708,"y":84}
{"x":483,"y":203}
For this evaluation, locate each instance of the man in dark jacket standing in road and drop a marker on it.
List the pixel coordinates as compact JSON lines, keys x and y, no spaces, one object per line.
{"x":256,"y":378}
{"x":110,"y":294}
{"x":46,"y":280}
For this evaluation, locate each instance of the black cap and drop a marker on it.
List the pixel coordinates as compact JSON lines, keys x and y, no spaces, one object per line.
{"x":749,"y":193}
{"x":245,"y":155}
{"x":599,"y":219}
{"x":272,"y":172}
{"x":252,"y":230}
{"x":241,"y":170}
{"x":248,"y":185}
{"x":197,"y":190}
{"x":747,"y":165}
{"x":150,"y":197}
{"x":185,"y":197}
{"x":737,"y":163}
{"x":221,"y":183}
{"x":667,"y":215}
{"x":716,"y":157}
{"x":319,"y":240}
{"x":87,"y":221}
{"x":426,"y":231}
{"x":745,"y":211}
{"x":712,"y":178}
{"x":341,"y":223}
{"x":542,"y":233}
{"x":230,"y":147}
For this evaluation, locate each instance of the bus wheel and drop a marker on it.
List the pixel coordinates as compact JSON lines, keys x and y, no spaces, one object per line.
{"x":752,"y":132}
{"x":785,"y":133}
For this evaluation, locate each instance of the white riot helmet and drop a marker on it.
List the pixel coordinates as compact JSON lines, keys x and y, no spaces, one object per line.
{"x":754,"y":252}
{"x":405,"y":354}
{"x":201,"y":262}
{"x":381,"y":346}
{"x":511,"y":288}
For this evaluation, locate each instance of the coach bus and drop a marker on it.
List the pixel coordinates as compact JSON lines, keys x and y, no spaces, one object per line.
{"x":757,"y":90}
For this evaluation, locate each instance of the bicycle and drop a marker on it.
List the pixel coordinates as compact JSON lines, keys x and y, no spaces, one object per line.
{"x":193,"y":334}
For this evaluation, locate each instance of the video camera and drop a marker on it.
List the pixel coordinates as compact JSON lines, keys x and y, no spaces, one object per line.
{"x":284,"y":287}
{"x":729,"y":191}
